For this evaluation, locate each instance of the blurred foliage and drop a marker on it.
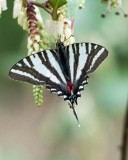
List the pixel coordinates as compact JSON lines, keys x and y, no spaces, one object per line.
{"x":51,"y":132}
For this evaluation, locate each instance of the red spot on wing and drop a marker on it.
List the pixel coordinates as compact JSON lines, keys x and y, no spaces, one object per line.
{"x":70,"y":86}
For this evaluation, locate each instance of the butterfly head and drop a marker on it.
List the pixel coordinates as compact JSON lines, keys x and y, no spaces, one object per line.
{"x":59,"y":44}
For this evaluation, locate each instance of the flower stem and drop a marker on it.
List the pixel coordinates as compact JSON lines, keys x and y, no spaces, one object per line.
{"x":54,"y":13}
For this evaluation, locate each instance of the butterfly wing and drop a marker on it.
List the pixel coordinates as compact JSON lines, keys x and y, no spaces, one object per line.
{"x":84,"y":58}
{"x":39,"y":69}
{"x":47,"y":67}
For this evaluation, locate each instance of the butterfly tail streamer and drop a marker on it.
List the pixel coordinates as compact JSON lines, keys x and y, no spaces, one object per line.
{"x":75,"y":114}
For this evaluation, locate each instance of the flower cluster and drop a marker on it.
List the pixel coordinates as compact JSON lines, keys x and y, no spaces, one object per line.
{"x":37,"y":41}
{"x":3,"y":5}
{"x":114,"y":4}
{"x":60,"y":29}
{"x":82,"y":4}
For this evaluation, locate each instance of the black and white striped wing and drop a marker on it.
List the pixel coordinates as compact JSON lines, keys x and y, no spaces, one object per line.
{"x":41,"y":68}
{"x":84,"y":58}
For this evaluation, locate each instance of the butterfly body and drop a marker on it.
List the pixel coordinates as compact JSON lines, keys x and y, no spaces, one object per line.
{"x":63,"y":57}
{"x":63,"y":70}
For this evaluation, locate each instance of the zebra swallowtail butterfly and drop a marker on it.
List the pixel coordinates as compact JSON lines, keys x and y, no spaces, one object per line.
{"x":63,"y":70}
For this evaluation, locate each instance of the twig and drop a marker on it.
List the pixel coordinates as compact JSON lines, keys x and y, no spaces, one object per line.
{"x":42,"y":5}
{"x":54,"y":13}
{"x":124,"y":146}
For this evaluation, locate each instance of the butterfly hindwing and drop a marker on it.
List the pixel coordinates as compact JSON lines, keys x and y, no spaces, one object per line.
{"x":84,"y":59}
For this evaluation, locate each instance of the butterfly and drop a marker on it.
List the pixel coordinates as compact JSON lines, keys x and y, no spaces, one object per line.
{"x":63,"y":70}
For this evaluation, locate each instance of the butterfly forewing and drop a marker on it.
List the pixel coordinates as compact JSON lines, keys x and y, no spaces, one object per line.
{"x":40,"y":68}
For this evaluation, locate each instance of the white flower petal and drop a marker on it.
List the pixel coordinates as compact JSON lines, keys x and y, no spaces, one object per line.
{"x":3,"y":4}
{"x":21,"y":18}
{"x":0,"y":10}
{"x":37,"y":38}
{"x":25,"y":24}
{"x":54,"y":28}
{"x":17,"y":8}
{"x":36,"y":47}
{"x":68,"y":33}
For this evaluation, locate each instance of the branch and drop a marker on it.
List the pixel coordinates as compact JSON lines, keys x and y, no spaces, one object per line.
{"x":124,"y":146}
{"x":41,"y":5}
{"x":54,"y":13}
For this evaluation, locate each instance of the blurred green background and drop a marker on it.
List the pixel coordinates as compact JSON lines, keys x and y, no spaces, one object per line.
{"x":51,"y":132}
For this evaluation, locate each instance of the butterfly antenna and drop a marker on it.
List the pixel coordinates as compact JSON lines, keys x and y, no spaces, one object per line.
{"x":75,"y":114}
{"x":68,"y":38}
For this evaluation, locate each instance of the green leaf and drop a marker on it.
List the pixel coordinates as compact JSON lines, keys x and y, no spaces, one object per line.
{"x":57,"y":3}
